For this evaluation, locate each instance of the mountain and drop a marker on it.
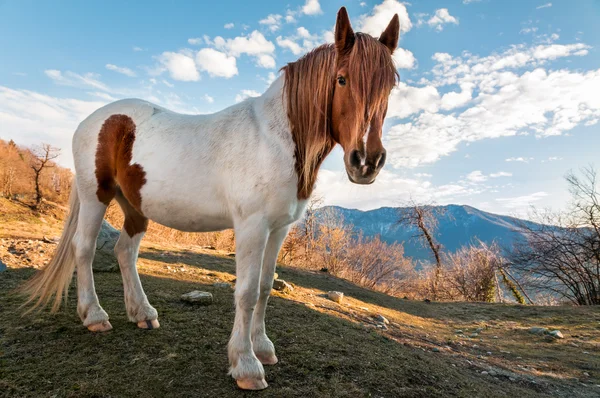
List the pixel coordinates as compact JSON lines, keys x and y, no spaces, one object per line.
{"x":457,"y":226}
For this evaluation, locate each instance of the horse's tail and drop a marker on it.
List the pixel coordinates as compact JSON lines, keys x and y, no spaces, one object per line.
{"x":55,"y":278}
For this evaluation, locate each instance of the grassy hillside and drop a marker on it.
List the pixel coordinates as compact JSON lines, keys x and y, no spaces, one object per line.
{"x":325,"y":349}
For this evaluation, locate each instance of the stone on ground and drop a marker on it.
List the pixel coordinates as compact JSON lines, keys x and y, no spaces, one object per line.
{"x":556,"y":334}
{"x":105,"y":260}
{"x":336,"y":296}
{"x":538,"y":330}
{"x":282,"y":286}
{"x":381,"y":319}
{"x":198,"y":297}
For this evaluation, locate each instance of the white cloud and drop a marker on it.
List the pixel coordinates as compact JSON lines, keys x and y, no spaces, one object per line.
{"x":33,"y":118}
{"x":180,"y":66}
{"x":166,"y":83}
{"x":441,"y":18}
{"x":453,"y":99}
{"x":500,"y":101}
{"x":406,"y":100}
{"x":265,"y":61}
{"x":246,"y":94}
{"x":121,"y":70}
{"x":216,"y":63}
{"x":470,"y":1}
{"x":229,"y":25}
{"x":312,"y":7}
{"x":521,"y":202}
{"x":547,"y":5}
{"x":403,"y":59}
{"x":476,"y":176}
{"x":255,"y":45}
{"x":532,"y":29}
{"x":291,"y":45}
{"x":88,"y":80}
{"x":196,"y":41}
{"x":375,"y":22}
{"x":389,"y":189}
{"x":501,"y":174}
{"x":519,"y":159}
{"x":208,"y":98}
{"x":273,"y":21}
{"x":363,"y":4}
{"x":137,"y":49}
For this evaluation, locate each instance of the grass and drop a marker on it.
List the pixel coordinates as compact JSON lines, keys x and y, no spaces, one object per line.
{"x":325,"y":349}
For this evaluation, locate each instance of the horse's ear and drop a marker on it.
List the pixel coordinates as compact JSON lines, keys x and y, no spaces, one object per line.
{"x":344,"y":35}
{"x":389,"y":37}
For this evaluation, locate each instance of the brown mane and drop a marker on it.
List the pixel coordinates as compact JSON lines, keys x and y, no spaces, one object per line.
{"x":309,"y":88}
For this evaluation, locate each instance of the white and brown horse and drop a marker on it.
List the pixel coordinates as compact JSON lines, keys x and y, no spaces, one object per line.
{"x":250,"y":167}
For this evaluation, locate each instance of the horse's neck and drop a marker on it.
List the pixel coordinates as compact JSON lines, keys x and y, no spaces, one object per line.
{"x":271,"y":110}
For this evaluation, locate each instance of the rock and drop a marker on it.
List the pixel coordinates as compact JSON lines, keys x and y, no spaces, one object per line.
{"x":556,"y":334}
{"x":335,"y":296}
{"x":435,"y":349}
{"x":538,"y":330}
{"x":282,"y":286}
{"x":473,"y":335}
{"x":221,"y":284}
{"x":231,"y":254}
{"x":2,"y":266}
{"x":275,"y":276}
{"x":484,"y":373}
{"x":324,"y":269}
{"x":208,"y":247}
{"x":381,"y":319}
{"x":427,"y":301}
{"x":105,"y":260}
{"x":458,"y":331}
{"x":198,"y":297}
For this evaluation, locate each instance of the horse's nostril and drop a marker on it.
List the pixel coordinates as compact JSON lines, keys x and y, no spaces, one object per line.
{"x":355,"y":159}
{"x":381,"y":160}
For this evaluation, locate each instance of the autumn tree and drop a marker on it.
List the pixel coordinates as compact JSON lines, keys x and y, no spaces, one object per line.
{"x":424,"y":219}
{"x":42,"y":157}
{"x":561,"y":252}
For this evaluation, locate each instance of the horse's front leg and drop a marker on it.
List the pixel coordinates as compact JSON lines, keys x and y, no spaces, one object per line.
{"x":263,"y":347}
{"x":251,"y":238}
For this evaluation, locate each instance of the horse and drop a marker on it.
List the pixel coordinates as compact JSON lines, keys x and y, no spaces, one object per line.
{"x":251,"y":167}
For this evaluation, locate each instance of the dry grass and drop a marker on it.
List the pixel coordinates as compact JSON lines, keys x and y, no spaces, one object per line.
{"x":325,"y":349}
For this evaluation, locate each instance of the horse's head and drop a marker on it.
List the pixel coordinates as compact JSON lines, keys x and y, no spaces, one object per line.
{"x":365,"y":75}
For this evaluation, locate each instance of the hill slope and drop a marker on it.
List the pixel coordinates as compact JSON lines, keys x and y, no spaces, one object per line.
{"x":458,"y":226}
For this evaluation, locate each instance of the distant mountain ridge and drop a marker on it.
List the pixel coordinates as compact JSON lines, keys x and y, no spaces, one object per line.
{"x":457,"y":226}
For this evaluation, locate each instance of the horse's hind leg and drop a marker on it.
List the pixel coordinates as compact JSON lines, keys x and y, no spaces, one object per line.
{"x":127,"y":248}
{"x":91,"y":313}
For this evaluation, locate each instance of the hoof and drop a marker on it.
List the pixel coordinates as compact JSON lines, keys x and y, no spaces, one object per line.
{"x":100,"y":327}
{"x":149,"y":325}
{"x":252,"y":384}
{"x":267,"y":359}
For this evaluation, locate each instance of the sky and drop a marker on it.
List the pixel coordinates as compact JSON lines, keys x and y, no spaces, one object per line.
{"x":497,"y":99}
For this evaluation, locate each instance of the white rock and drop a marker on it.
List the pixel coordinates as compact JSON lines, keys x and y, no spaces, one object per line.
{"x":198,"y":297}
{"x":335,"y":296}
{"x":381,"y":319}
{"x":282,"y":286}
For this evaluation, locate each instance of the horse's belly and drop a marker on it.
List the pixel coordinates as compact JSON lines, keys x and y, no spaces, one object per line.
{"x":200,"y":211}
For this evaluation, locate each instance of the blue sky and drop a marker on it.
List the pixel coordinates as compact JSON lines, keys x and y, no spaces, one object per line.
{"x":498,"y":98}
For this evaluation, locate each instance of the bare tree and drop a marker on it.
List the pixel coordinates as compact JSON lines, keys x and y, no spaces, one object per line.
{"x":42,"y":157}
{"x":561,"y":254}
{"x":423,"y":217}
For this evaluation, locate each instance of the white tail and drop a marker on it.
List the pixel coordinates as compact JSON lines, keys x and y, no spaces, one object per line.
{"x":55,"y":278}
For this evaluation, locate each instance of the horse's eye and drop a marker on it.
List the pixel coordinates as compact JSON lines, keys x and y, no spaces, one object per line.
{"x":341,"y":80}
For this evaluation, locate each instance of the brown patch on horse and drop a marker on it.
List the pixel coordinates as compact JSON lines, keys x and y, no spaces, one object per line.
{"x":113,"y":169}
{"x":311,"y":88}
{"x":135,"y":222}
